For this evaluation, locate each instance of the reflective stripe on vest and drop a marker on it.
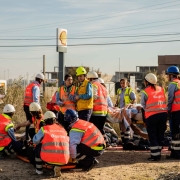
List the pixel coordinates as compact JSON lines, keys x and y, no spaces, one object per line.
{"x":36,"y":123}
{"x":68,"y":104}
{"x":127,"y":93}
{"x":5,"y":124}
{"x":55,"y":145}
{"x":84,"y":104}
{"x":92,"y":137}
{"x":176,"y":101}
{"x":156,"y":101}
{"x":28,"y":97}
{"x":100,"y":104}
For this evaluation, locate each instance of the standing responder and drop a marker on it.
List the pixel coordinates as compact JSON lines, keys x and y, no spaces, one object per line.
{"x":84,"y":95}
{"x":52,"y":145}
{"x":153,"y":101}
{"x":174,"y":110}
{"x":32,"y":94}
{"x":64,"y":98}
{"x":85,"y":139}
{"x":36,"y":122}
{"x":99,"y":113}
{"x":8,"y":143}
{"x":125,"y":96}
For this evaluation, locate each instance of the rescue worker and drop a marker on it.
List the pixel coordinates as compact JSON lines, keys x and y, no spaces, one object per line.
{"x":125,"y":96}
{"x":52,"y":145}
{"x":36,"y":122}
{"x":32,"y":94}
{"x":85,"y":139}
{"x":8,"y":143}
{"x":100,"y":105}
{"x":52,"y":105}
{"x":174,"y":110}
{"x":84,"y":95}
{"x":153,"y":101}
{"x":64,"y":98}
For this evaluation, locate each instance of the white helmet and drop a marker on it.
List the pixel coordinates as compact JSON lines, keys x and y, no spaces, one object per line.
{"x":34,"y":107}
{"x":151,"y":78}
{"x":8,"y":108}
{"x":101,"y":80}
{"x":40,"y":76}
{"x":92,"y":74}
{"x":49,"y":115}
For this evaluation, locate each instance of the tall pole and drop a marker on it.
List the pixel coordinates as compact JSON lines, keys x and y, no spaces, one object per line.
{"x":119,"y":69}
{"x":61,"y":68}
{"x":44,"y":74}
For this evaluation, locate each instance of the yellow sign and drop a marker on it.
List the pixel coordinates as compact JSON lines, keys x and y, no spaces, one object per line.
{"x":63,"y":38}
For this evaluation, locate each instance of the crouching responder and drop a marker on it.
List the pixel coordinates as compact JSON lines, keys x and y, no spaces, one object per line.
{"x":85,"y":139}
{"x":84,"y":95}
{"x":52,"y":145}
{"x":174,"y":110}
{"x":36,"y":122}
{"x":8,"y":143}
{"x":153,"y":101}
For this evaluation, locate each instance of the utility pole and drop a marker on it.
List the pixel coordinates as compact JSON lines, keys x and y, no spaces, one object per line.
{"x":44,"y":74}
{"x":119,"y":69}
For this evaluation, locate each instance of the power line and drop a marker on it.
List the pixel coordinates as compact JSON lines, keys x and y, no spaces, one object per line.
{"x":85,"y":19}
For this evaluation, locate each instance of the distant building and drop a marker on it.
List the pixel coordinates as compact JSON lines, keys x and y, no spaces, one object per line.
{"x":168,"y":60}
{"x":139,"y":74}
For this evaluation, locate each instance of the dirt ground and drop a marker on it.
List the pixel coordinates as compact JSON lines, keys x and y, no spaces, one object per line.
{"x":120,"y":165}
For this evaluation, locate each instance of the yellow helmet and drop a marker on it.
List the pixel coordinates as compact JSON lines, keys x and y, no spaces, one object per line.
{"x":80,"y":71}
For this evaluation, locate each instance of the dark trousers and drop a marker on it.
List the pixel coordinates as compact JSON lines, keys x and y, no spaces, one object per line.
{"x":156,"y":126}
{"x":38,"y":161}
{"x":28,"y":118}
{"x":175,"y":145}
{"x":99,"y":122}
{"x":85,"y":114}
{"x":90,"y":154}
{"x":62,"y":122}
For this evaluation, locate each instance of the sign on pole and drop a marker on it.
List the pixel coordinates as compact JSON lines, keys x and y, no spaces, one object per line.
{"x":132,"y":82}
{"x":61,"y":40}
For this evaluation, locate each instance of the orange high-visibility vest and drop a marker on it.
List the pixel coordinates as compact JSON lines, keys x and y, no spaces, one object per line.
{"x":176,"y":101}
{"x":36,"y":123}
{"x":28,"y":98}
{"x":64,"y":98}
{"x":92,"y":136}
{"x":55,"y":145}
{"x":156,"y":102}
{"x":100,"y":104}
{"x":4,"y":137}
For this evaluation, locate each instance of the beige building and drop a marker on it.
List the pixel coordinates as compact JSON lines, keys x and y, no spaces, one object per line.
{"x":168,"y":60}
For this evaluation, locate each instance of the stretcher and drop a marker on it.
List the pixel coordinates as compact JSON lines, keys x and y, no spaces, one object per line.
{"x":47,"y":166}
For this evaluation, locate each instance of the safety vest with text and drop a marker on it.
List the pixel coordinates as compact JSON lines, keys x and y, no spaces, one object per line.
{"x":100,"y":104}
{"x":176,"y":101}
{"x":84,"y":104}
{"x":92,"y":137}
{"x":68,"y":104}
{"x":28,"y":98}
{"x":55,"y":145}
{"x":5,"y":124}
{"x":156,"y":101}
{"x":127,"y":93}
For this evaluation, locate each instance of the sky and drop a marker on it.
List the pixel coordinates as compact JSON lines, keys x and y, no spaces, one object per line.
{"x":25,"y":23}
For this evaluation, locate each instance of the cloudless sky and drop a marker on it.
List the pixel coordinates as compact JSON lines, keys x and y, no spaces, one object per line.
{"x":86,"y":21}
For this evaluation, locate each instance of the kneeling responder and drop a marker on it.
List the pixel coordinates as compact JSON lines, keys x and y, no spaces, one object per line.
{"x":174,"y":110}
{"x":8,"y":143}
{"x":85,"y":139}
{"x":153,"y":101}
{"x":52,"y":145}
{"x":36,"y":122}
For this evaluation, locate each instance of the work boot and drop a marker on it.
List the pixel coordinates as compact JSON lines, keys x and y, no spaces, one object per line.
{"x":57,"y":171}
{"x":95,"y":162}
{"x":39,"y":172}
{"x":1,"y":154}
